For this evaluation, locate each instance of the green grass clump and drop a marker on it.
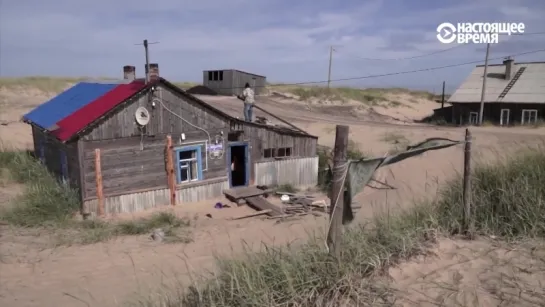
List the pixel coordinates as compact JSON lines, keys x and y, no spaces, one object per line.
{"x":368,"y":96}
{"x":45,"y":200}
{"x":58,"y":84}
{"x":508,"y":200}
{"x":325,"y":154}
{"x":51,"y":205}
{"x":93,"y":231}
{"x":306,"y":275}
{"x":43,"y":83}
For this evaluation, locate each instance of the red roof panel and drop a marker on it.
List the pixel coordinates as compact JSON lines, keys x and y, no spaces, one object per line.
{"x":83,"y":117}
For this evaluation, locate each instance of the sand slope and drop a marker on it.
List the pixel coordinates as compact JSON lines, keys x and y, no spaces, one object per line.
{"x":32,"y":273}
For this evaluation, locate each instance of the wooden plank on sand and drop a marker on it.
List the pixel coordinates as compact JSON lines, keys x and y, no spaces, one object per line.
{"x":260,"y":203}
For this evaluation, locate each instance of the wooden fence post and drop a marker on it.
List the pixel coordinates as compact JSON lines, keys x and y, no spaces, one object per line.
{"x":334,"y":235}
{"x":468,"y":220}
{"x":98,"y":177}
{"x":170,"y":171}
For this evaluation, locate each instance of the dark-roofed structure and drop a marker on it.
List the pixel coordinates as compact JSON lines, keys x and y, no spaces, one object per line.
{"x":515,"y":94}
{"x":211,"y":150}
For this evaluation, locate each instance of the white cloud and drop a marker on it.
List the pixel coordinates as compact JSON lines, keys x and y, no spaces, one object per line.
{"x":288,"y":41}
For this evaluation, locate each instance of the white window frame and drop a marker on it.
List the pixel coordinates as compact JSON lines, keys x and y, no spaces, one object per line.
{"x":476,"y":118}
{"x":185,"y":165}
{"x":530,"y":111}
{"x":508,"y":117}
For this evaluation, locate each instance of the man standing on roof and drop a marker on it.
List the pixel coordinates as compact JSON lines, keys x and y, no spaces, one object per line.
{"x":248,"y":98}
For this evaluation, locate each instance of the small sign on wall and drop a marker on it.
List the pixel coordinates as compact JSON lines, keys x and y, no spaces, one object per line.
{"x":215,"y":149}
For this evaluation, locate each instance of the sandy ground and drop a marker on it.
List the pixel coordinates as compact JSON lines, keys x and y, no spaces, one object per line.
{"x":32,"y":273}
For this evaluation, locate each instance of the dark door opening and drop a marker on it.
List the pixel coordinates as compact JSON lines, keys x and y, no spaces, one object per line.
{"x":238,"y":165}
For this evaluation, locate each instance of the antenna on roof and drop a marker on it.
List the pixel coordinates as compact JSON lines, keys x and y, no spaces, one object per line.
{"x":145,"y":44}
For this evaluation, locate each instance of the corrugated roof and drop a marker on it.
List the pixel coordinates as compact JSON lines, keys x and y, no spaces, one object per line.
{"x":49,"y":113}
{"x":529,"y":88}
{"x":86,"y":115}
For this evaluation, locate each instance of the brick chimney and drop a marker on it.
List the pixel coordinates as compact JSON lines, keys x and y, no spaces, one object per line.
{"x":508,"y":62}
{"x":129,"y":72}
{"x":153,"y":71}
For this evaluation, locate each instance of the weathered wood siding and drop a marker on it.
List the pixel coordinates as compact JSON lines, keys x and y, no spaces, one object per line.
{"x":201,"y":190}
{"x":147,"y":199}
{"x":127,"y":167}
{"x":131,"y":202}
{"x":296,"y":172}
{"x":165,"y":118}
{"x":52,"y":155}
{"x":260,"y":138}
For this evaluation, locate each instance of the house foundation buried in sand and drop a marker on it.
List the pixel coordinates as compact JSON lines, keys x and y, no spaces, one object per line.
{"x":128,"y":145}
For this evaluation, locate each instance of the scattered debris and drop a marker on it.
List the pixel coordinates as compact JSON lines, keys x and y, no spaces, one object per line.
{"x":158,"y":235}
{"x":219,"y":205}
{"x":293,"y":205}
{"x":262,"y":120}
{"x":201,"y":90}
{"x":260,"y":203}
{"x":258,"y":213}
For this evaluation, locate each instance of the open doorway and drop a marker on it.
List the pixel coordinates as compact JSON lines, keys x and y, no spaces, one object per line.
{"x":239,"y":167}
{"x":473,"y":118}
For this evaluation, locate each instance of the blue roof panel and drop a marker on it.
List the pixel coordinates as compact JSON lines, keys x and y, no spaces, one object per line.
{"x":49,"y":113}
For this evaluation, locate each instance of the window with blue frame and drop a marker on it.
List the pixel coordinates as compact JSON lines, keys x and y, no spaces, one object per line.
{"x":189,"y":164}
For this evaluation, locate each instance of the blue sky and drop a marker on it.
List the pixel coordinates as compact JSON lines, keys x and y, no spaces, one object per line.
{"x":288,"y":41}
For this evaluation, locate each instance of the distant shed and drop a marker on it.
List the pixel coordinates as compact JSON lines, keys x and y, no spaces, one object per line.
{"x":231,"y":82}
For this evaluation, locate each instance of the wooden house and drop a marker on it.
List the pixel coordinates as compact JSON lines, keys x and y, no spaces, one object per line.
{"x":514,"y":95}
{"x":92,"y":138}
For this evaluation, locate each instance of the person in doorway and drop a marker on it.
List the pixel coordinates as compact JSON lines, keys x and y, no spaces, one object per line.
{"x":234,"y":164}
{"x":248,"y":98}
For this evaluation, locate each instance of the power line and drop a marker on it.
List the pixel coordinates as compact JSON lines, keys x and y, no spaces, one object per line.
{"x":393,"y":73}
{"x":435,"y":52}
{"x":417,"y":70}
{"x":409,"y":58}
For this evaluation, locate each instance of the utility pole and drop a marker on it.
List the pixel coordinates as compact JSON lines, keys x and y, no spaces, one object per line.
{"x":330,"y":62}
{"x":146,"y":49}
{"x":334,"y":235}
{"x":443,"y":96}
{"x":483,"y":90}
{"x":147,"y":59}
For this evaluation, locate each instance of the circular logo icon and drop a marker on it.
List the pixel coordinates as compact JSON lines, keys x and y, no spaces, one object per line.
{"x":446,"y":33}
